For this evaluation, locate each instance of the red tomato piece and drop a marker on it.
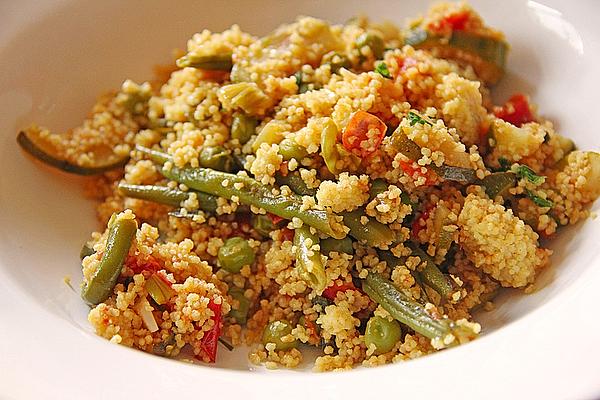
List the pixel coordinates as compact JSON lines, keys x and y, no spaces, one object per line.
{"x":415,"y":172}
{"x":148,"y":266}
{"x":330,"y":292}
{"x":457,"y":21}
{"x":516,"y":111}
{"x":416,"y":225}
{"x":364,"y":133}
{"x":210,"y":340}
{"x":276,"y":219}
{"x":287,"y":234}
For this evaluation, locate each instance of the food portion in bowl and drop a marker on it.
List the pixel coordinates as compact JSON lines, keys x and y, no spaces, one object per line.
{"x":349,"y":187}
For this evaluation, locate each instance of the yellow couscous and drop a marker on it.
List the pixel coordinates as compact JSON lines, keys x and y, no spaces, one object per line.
{"x":347,"y":187}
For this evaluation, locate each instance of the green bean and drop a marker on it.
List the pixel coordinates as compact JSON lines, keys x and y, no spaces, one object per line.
{"x":296,"y":183}
{"x":337,"y":245}
{"x":372,"y":40}
{"x":382,"y":333}
{"x":252,"y":193}
{"x":243,"y":127}
{"x":274,"y":333}
{"x":329,"y":150}
{"x":498,"y":183}
{"x":430,"y":273}
{"x":160,"y":291}
{"x":155,"y":155}
{"x":378,"y":186}
{"x":216,"y":157}
{"x":404,"y":309}
{"x":214,"y":62}
{"x":168,"y":196}
{"x":121,"y":232}
{"x":288,"y":148}
{"x":234,"y":254}
{"x":240,"y":314}
{"x":308,"y":261}
{"x":373,"y":233}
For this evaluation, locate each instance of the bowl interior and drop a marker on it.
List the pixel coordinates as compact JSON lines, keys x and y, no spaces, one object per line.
{"x":59,"y":55}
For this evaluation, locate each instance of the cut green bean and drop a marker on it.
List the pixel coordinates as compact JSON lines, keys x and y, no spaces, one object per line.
{"x":216,"y":157}
{"x":121,"y":232}
{"x":373,"y":233}
{"x":168,"y":196}
{"x":308,"y":261}
{"x":498,"y":183}
{"x":329,"y":150}
{"x":404,"y":309}
{"x":240,"y":314}
{"x":288,"y":148}
{"x":296,"y":183}
{"x":382,"y":333}
{"x":213,"y":62}
{"x":431,"y":274}
{"x":372,"y":40}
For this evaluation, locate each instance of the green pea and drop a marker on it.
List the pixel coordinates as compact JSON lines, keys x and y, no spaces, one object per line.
{"x":217,"y":158}
{"x":243,"y":127}
{"x":241,"y":313}
{"x":234,"y":254}
{"x":374,"y":41}
{"x":288,"y":148}
{"x":344,"y":245}
{"x":275,"y":331}
{"x":383,"y":333}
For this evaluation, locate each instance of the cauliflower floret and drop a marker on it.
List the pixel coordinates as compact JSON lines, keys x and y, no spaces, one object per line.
{"x":499,"y":243}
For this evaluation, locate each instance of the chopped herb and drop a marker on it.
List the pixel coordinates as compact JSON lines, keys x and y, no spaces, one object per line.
{"x":415,"y":118}
{"x":539,"y":201}
{"x":504,"y":164}
{"x":383,"y":70}
{"x":524,"y":172}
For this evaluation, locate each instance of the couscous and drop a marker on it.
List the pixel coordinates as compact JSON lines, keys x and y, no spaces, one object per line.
{"x":347,"y":187}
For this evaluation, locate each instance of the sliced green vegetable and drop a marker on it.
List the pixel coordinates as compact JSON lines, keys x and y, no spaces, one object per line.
{"x":40,"y":148}
{"x":264,"y":225}
{"x":308,"y":261}
{"x":86,"y":250}
{"x":329,"y":150}
{"x":296,"y":183}
{"x":288,"y":148}
{"x":372,"y":40}
{"x":431,"y":274}
{"x":121,"y":232}
{"x":160,"y":291}
{"x":168,"y":196}
{"x":337,"y":245}
{"x":498,"y":183}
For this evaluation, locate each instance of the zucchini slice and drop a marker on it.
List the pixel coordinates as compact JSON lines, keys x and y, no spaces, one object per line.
{"x":485,"y":54}
{"x":42,"y":149}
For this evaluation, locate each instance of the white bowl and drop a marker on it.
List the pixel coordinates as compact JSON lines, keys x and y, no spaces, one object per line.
{"x":57,"y":56}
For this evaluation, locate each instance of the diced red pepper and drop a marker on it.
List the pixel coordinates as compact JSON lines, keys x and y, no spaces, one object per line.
{"x":357,"y":131}
{"x":454,"y":22}
{"x":275,"y":219}
{"x":405,"y":63}
{"x":516,"y":111}
{"x":332,"y":291}
{"x":210,"y":340}
{"x":287,"y":234}
{"x":415,"y":172}
{"x":416,"y":225}
{"x":146,"y":267}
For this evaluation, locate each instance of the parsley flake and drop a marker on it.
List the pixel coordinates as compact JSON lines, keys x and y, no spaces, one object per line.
{"x":415,"y":118}
{"x":539,"y":201}
{"x":524,"y":172}
{"x":383,"y":70}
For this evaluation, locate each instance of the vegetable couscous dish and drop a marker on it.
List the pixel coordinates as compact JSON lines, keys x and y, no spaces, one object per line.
{"x":347,"y":187}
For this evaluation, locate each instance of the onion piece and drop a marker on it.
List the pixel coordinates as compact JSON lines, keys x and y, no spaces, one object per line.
{"x":144,"y":309}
